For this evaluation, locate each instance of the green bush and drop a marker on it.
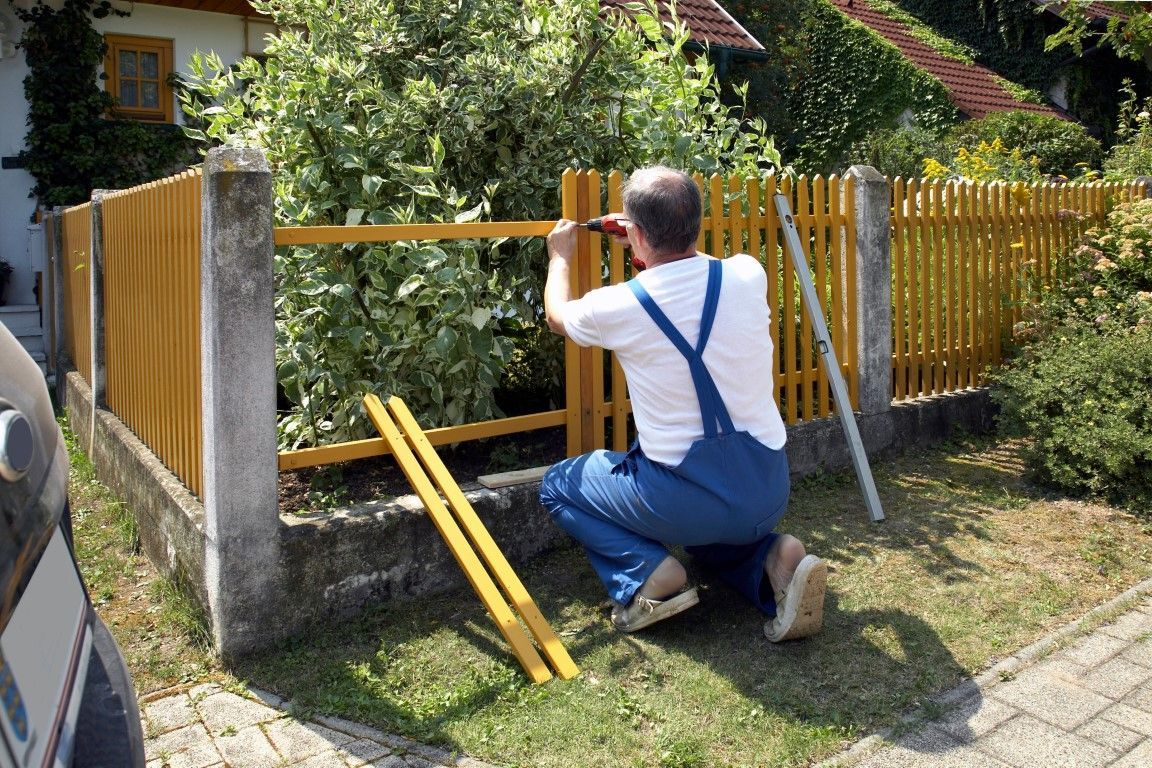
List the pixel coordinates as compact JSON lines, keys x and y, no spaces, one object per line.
{"x":898,"y":151}
{"x":1084,"y":398}
{"x":1082,"y":386}
{"x":1058,"y":144}
{"x":433,"y":110}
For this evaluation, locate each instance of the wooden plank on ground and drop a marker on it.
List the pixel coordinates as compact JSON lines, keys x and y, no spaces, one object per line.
{"x":515,"y":477}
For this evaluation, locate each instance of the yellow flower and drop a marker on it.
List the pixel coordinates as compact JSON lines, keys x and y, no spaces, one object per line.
{"x":1081,"y":301}
{"x":1104,"y":265}
{"x":1098,"y":292}
{"x":1017,"y":245}
{"x":1144,"y":295}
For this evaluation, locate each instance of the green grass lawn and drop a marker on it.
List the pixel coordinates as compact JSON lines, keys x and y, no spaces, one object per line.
{"x":972,"y":564}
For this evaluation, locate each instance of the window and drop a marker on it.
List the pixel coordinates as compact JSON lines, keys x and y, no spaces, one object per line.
{"x":137,"y":69}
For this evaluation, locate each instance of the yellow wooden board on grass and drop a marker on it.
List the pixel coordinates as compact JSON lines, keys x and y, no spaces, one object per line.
{"x":553,"y":649}
{"x":405,"y":447}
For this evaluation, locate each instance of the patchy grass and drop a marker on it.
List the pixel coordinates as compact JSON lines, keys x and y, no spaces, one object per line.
{"x":972,"y":564}
{"x":157,"y":628}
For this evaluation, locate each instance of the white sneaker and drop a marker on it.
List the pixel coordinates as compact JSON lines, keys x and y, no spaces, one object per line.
{"x":643,"y":611}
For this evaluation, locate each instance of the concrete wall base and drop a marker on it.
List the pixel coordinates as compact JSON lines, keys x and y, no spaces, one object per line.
{"x":337,"y":564}
{"x":170,"y":520}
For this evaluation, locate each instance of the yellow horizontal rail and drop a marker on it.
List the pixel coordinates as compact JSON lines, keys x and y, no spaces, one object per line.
{"x":364,"y":449}
{"x":376,"y":233}
{"x":388,"y":232}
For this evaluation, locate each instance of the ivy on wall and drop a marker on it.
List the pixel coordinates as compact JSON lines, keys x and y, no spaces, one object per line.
{"x":74,"y":142}
{"x":1008,"y":37}
{"x":854,"y":82}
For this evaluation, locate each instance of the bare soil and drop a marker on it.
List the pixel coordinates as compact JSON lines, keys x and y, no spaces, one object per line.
{"x":318,"y":488}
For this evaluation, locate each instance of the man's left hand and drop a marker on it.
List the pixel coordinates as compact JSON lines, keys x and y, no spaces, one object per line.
{"x":562,"y":240}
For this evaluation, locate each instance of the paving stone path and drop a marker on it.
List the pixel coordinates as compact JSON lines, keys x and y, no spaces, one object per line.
{"x":1080,"y":697}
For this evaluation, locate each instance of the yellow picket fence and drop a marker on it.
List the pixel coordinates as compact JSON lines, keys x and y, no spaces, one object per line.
{"x":75,"y":254}
{"x":966,"y":259}
{"x":739,"y":217}
{"x":151,"y":250}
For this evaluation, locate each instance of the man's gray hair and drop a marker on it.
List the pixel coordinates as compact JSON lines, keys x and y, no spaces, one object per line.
{"x":665,"y":203}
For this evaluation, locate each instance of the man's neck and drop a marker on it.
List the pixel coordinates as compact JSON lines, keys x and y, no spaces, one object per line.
{"x":655,"y":261}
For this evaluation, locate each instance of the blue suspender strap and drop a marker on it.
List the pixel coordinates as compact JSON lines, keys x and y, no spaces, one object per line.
{"x":712,"y":410}
{"x":711,"y":299}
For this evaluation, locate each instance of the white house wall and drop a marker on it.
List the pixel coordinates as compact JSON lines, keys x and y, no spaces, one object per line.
{"x":189,"y":31}
{"x":16,"y":208}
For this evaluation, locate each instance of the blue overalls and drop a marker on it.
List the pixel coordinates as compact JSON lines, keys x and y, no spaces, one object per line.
{"x":722,"y":502}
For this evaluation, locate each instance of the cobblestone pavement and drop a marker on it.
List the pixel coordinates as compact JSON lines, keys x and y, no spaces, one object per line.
{"x":206,"y":726}
{"x":1081,"y":699}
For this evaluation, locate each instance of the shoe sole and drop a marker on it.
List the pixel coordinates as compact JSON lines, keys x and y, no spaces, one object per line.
{"x":804,"y":605}
{"x":664,"y":610}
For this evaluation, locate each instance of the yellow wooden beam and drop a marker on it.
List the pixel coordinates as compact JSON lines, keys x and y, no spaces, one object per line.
{"x":377,"y":446}
{"x":391,"y":232}
{"x":553,"y":649}
{"x":477,"y":576}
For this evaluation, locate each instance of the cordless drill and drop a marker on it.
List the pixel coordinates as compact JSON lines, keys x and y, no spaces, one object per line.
{"x":609,"y":224}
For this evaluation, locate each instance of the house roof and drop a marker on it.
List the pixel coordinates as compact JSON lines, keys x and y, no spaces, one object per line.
{"x":974,"y":89}
{"x":233,"y":7}
{"x":1095,"y":10}
{"x":707,"y":20}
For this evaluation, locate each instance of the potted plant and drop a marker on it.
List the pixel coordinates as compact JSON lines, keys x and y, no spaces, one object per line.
{"x":5,"y":276}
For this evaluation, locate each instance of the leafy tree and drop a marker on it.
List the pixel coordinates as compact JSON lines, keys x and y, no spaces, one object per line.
{"x":444,"y":110}
{"x":1129,"y":33}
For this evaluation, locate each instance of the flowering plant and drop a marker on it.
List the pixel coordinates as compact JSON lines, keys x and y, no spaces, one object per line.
{"x":1109,"y":278}
{"x":1131,"y":156}
{"x":990,"y":161}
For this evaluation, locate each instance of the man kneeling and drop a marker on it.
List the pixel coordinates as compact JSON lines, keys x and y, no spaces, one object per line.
{"x":708,"y":470}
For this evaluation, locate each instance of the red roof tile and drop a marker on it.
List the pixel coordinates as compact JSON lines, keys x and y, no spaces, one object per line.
{"x":974,"y":88}
{"x":707,"y":22}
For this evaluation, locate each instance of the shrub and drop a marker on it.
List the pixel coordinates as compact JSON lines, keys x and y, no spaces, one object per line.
{"x":1082,"y":386}
{"x":424,"y":111}
{"x":898,"y":151}
{"x":1131,"y":156}
{"x":1059,"y":145}
{"x":1085,"y":400}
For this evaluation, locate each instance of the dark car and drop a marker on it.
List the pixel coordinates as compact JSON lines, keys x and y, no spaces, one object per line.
{"x":66,"y":698}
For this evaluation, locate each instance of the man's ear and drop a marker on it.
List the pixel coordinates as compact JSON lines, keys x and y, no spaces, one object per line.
{"x":639,"y":239}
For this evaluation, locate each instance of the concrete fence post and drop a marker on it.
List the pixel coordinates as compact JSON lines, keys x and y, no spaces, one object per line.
{"x":96,"y":295}
{"x":237,"y":331}
{"x":873,"y":198}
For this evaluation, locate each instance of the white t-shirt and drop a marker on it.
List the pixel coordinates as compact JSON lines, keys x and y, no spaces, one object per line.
{"x":738,"y":354}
